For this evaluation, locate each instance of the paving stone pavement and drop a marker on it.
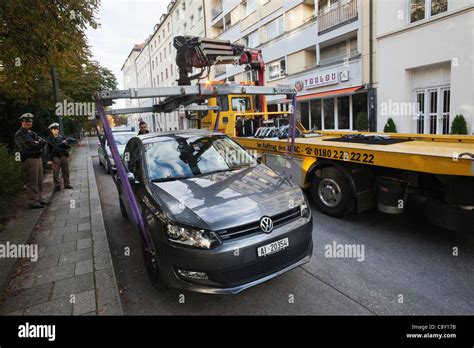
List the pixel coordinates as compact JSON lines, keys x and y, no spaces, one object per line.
{"x":73,"y":274}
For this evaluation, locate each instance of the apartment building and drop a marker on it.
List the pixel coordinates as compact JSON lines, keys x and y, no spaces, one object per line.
{"x":425,"y":64}
{"x":155,"y":63}
{"x":129,"y":71}
{"x":322,"y":48}
{"x":163,"y":69}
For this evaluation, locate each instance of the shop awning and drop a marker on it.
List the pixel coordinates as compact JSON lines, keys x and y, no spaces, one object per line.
{"x":343,"y":91}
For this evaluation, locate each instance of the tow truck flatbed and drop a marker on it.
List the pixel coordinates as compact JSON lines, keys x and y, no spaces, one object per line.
{"x":440,"y":154}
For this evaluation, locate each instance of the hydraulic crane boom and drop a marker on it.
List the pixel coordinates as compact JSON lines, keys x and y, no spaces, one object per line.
{"x":202,"y":53}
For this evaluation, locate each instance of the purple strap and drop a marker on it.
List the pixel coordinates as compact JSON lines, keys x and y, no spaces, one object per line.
{"x":293,"y":134}
{"x":123,"y":182}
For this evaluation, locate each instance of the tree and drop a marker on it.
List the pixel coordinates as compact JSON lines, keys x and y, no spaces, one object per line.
{"x":459,"y":125}
{"x":38,"y":34}
{"x":390,"y":126}
{"x":362,"y":121}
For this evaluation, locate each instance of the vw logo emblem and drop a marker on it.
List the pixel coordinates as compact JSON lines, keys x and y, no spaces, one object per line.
{"x":266,"y":224}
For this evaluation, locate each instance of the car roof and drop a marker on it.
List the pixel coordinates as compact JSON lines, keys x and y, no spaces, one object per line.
{"x":185,"y":133}
{"x":124,"y":132}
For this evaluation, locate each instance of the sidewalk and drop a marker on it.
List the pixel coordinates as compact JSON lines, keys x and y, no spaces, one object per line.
{"x":74,"y":274}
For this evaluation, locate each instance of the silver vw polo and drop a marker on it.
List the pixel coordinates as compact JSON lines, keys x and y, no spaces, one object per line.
{"x":220,"y":221}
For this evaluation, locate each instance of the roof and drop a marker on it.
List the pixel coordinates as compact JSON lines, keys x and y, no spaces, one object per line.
{"x":136,"y":48}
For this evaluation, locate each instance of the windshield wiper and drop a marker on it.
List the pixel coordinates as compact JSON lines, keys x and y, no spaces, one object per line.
{"x":171,"y":178}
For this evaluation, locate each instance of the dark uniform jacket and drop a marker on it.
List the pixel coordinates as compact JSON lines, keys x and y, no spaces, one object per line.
{"x":56,"y":147}
{"x":29,"y":144}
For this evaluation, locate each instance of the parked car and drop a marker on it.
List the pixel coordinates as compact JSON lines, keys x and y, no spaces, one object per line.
{"x":121,"y":138}
{"x":220,"y":221}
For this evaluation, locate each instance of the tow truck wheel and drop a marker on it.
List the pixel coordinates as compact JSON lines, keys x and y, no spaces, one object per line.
{"x":152,"y":269}
{"x":332,"y":193}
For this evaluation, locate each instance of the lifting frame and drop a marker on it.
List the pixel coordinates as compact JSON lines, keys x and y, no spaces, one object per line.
{"x":177,"y":98}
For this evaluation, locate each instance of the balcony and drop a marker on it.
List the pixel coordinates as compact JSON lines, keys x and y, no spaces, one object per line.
{"x":341,"y":13}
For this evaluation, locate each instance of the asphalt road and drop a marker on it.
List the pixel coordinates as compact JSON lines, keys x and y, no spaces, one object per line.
{"x":408,"y":268}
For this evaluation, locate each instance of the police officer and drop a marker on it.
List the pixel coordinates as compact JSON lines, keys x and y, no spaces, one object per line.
{"x":31,"y":147}
{"x":58,"y":152}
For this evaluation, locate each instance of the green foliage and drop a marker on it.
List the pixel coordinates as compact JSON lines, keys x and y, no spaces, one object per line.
{"x":390,"y":126}
{"x":459,"y":125}
{"x":362,"y":121}
{"x":11,"y":178}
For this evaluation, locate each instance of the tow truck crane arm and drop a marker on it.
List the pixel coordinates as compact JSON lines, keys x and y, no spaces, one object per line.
{"x":202,"y":53}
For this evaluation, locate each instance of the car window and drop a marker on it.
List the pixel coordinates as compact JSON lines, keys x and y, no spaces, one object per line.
{"x":129,"y":150}
{"x":177,"y":158}
{"x":241,"y":103}
{"x":122,"y":139}
{"x":223,"y":103}
{"x":135,"y":165}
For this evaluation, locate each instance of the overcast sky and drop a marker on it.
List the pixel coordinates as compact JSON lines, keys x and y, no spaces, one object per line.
{"x":123,"y":24}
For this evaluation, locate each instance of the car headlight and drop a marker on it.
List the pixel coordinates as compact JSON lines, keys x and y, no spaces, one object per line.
{"x":191,"y":237}
{"x":305,"y":209}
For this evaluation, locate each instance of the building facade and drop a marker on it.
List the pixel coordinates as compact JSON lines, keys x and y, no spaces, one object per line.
{"x":155,"y":63}
{"x":425,"y":64}
{"x":322,"y":48}
{"x":129,"y":71}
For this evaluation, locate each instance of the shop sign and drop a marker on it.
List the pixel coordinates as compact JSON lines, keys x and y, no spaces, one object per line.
{"x":319,"y":79}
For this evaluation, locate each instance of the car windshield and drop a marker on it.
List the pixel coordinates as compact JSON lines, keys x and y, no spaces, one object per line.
{"x":122,"y":139}
{"x":180,"y":158}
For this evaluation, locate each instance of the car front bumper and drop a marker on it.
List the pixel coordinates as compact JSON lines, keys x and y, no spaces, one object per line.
{"x":234,"y":266}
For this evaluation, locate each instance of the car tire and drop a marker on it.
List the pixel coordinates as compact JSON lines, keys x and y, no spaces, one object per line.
{"x":152,"y":270}
{"x":332,"y":193}
{"x":122,"y":209}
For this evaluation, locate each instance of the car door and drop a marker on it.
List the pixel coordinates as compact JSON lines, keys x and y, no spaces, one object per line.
{"x":130,"y":154}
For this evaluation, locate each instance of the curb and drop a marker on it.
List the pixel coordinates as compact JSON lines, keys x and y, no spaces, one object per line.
{"x":107,"y":295}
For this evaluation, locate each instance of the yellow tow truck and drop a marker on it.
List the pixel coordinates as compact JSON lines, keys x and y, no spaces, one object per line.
{"x":345,"y":172}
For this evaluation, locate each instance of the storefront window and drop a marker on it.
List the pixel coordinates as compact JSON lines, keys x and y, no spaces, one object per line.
{"x":343,"y":113}
{"x":328,"y":105}
{"x":359,"y":104}
{"x":305,"y":115}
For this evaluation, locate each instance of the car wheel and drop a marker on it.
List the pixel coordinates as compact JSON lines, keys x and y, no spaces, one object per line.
{"x":332,"y":193}
{"x":122,"y":209}
{"x":152,"y":269}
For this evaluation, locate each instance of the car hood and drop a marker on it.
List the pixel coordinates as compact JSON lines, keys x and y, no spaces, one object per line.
{"x":223,"y":200}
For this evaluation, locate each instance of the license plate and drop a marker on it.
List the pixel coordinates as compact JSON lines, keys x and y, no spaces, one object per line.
{"x":274,"y":247}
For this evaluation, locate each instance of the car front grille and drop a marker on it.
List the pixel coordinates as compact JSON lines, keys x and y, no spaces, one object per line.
{"x":264,"y":266}
{"x":254,"y":227}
